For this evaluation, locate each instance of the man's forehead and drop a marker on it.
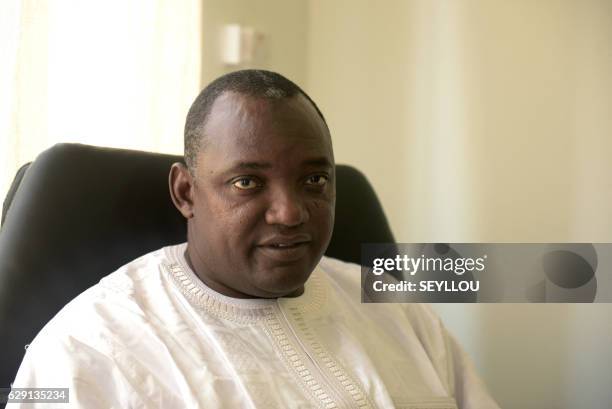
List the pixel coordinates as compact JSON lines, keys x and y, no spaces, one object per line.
{"x":231,"y":103}
{"x":236,"y":117}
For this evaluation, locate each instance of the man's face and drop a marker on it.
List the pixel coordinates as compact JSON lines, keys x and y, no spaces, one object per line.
{"x":263,"y":196}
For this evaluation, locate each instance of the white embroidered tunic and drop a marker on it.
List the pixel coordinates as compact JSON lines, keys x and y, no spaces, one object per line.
{"x":152,"y":335}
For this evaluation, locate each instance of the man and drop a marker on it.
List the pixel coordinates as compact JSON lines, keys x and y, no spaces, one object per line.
{"x":247,"y":313}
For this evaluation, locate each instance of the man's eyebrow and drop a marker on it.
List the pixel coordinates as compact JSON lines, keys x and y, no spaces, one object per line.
{"x":322,"y":161}
{"x":251,"y":166}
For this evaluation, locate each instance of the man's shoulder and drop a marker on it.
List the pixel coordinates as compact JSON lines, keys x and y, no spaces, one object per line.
{"x":339,"y":267}
{"x":128,"y":278}
{"x":120,"y":295}
{"x":346,"y":277}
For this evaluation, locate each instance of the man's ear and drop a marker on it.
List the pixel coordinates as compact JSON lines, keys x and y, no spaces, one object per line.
{"x":181,"y":189}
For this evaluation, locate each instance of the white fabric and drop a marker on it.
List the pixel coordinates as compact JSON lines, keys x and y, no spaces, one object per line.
{"x":153,"y":335}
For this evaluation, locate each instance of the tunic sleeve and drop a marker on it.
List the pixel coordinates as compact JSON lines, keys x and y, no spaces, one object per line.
{"x":470,"y":390}
{"x":454,"y":366}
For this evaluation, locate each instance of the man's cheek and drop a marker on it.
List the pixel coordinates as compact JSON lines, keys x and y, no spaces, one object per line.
{"x":322,"y":205}
{"x":322,"y":210}
{"x":322,"y":220}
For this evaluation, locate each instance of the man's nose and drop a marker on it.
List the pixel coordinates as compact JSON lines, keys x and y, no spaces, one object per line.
{"x":287,"y":209}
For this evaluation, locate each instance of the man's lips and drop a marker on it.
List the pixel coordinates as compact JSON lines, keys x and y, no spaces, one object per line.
{"x":285,"y":248}
{"x":280,"y":241}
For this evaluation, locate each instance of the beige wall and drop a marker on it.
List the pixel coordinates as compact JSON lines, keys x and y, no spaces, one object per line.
{"x":283,"y":24}
{"x":485,"y":120}
{"x":476,"y":120}
{"x":357,"y":65}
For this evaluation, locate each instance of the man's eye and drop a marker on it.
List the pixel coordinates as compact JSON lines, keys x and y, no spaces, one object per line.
{"x":317,"y":180}
{"x":245,"y":183}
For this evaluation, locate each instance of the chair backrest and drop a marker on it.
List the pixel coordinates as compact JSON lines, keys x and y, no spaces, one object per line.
{"x":79,"y":212}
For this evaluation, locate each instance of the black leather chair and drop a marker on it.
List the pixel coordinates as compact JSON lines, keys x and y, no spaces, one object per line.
{"x":79,"y":212}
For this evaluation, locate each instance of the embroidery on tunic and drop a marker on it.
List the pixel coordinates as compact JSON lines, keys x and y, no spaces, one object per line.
{"x":310,"y":382}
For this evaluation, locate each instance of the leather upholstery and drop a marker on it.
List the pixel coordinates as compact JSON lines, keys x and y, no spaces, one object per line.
{"x":79,"y":212}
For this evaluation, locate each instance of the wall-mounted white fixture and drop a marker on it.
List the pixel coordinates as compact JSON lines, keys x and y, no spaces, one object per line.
{"x":239,"y":44}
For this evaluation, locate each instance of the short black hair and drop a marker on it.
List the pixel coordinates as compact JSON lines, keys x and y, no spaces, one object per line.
{"x":253,"y":83}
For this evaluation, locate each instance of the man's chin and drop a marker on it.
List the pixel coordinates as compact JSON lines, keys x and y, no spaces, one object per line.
{"x":283,"y":281}
{"x":282,"y":293}
{"x":280,"y":273}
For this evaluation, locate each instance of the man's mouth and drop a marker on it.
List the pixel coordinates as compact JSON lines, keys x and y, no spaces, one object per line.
{"x":283,"y":241}
{"x":286,"y":245}
{"x":285,"y":249}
